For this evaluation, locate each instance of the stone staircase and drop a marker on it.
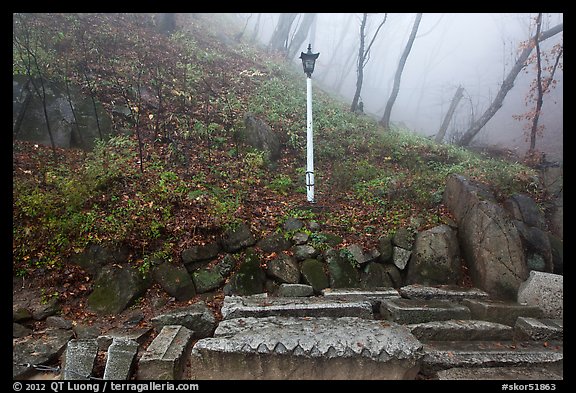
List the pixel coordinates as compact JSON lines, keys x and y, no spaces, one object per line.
{"x":415,"y":332}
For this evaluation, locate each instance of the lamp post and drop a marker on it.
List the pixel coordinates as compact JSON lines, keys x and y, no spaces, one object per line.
{"x":308,"y":61}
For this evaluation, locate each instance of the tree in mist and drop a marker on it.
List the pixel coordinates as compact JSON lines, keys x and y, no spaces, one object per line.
{"x":542,"y":84}
{"x":385,"y":121}
{"x":363,"y":57}
{"x":455,"y":100}
{"x":303,"y":30}
{"x":281,"y":36}
{"x":507,"y":84}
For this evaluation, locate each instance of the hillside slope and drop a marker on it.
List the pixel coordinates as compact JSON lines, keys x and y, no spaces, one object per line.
{"x":175,"y":173}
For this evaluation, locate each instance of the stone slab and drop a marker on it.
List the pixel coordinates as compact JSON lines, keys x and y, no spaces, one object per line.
{"x":120,"y":359}
{"x":374,"y":295}
{"x":140,"y":335}
{"x":544,"y":290}
{"x":538,"y":329}
{"x":79,"y":359}
{"x":165,"y":357}
{"x":498,"y":373}
{"x":441,"y":292}
{"x":36,"y":350}
{"x":441,"y":355}
{"x":307,"y":348}
{"x":294,"y":290}
{"x":460,"y":330}
{"x":500,"y":311}
{"x":409,"y":311}
{"x":316,"y":306}
{"x":196,"y":317}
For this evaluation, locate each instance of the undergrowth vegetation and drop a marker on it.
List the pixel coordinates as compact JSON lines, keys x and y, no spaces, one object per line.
{"x":192,"y":179}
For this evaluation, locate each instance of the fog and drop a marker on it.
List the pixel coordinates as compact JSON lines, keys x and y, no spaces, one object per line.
{"x":474,"y":50}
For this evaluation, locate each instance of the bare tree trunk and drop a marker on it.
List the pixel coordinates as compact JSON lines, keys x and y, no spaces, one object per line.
{"x":363,"y":57}
{"x":300,"y":36}
{"x":360,"y":70}
{"x":385,"y":121}
{"x":455,"y":100}
{"x":279,"y":39}
{"x":507,"y":85}
{"x":540,"y":97}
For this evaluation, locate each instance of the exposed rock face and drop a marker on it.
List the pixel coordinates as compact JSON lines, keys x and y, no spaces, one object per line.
{"x":435,"y":257}
{"x":67,"y":131}
{"x":490,"y":242}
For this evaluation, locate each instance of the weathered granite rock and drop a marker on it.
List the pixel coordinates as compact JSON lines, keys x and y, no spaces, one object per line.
{"x":58,"y":322}
{"x":165,"y":357}
{"x":342,"y":273}
{"x":435,"y":257}
{"x":175,"y":280}
{"x":292,"y":224}
{"x":115,"y":289}
{"x":258,"y":134}
{"x":32,"y":350}
{"x":441,"y":292}
{"x":306,"y":348}
{"x":139,"y":335}
{"x":249,"y":279}
{"x":401,"y":257}
{"x":199,"y":253}
{"x":95,"y":256}
{"x":20,"y":330}
{"x":409,"y":311}
{"x":294,"y":290}
{"x":538,"y":329}
{"x":442,"y":355}
{"x":375,"y":275}
{"x":274,"y":242}
{"x":358,"y":255}
{"x":120,"y":359}
{"x":512,"y":373}
{"x":500,"y":311}
{"x":284,"y":268}
{"x":523,"y":208}
{"x":489,"y":241}
{"x":197,"y":317}
{"x":235,"y":239}
{"x":79,"y":359}
{"x":460,"y":330}
{"x":264,"y":306}
{"x":545,"y":290}
{"x":537,"y":247}
{"x":304,"y":251}
{"x":206,"y":280}
{"x":313,"y":274}
{"x":403,"y":238}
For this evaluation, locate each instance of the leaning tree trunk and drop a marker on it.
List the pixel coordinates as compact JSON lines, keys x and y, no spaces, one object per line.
{"x":506,"y":87}
{"x":300,"y":36}
{"x":279,"y":39}
{"x":385,"y":121}
{"x":455,"y":100}
{"x":540,"y":97}
{"x":360,"y":75}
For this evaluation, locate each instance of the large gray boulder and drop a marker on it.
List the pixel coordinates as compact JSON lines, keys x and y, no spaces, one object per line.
{"x":489,"y":241}
{"x":235,"y":239}
{"x":175,"y":280}
{"x":249,"y":279}
{"x":29,"y":121}
{"x":258,"y":134}
{"x":435,"y":258}
{"x":545,"y":290}
{"x":115,"y":289}
{"x":284,"y":269}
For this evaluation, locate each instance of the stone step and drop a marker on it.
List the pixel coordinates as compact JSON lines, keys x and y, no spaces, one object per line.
{"x":500,"y":311}
{"x":79,"y":359}
{"x":499,"y":373}
{"x":120,"y":359}
{"x":442,"y":292}
{"x":460,"y":330}
{"x":307,"y":348}
{"x":165,"y":357}
{"x":442,"y":355}
{"x":315,"y":306}
{"x":538,"y":329}
{"x":410,"y":311}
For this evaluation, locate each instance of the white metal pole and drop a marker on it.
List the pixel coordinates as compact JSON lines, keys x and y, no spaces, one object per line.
{"x":309,"y":143}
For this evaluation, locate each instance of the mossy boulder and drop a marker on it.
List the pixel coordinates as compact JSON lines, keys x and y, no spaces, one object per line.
{"x":250,"y":278}
{"x":313,"y":274}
